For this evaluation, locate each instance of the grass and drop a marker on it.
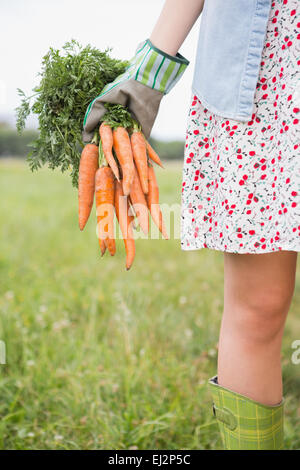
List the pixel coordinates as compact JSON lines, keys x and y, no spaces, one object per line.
{"x":101,"y":358}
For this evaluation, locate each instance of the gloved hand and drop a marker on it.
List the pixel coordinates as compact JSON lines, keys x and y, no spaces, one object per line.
{"x":150,"y":74}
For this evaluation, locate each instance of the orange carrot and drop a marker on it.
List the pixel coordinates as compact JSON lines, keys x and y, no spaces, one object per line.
{"x":102,"y":246}
{"x":153,"y":155}
{"x":139,"y":203}
{"x":86,"y":182}
{"x":153,"y":202}
{"x":135,"y":223}
{"x":104,"y":192}
{"x":106,"y":136}
{"x":138,"y":145}
{"x":123,"y":150}
{"x":125,"y":220}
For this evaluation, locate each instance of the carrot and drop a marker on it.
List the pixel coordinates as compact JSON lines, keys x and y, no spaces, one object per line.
{"x":102,"y":246}
{"x":104,"y":192}
{"x":138,"y":145}
{"x":123,"y":150}
{"x":153,"y":202}
{"x":125,"y":220}
{"x":135,"y":223}
{"x":86,"y":182}
{"x":139,"y":203}
{"x":153,"y":155}
{"x":106,"y":136}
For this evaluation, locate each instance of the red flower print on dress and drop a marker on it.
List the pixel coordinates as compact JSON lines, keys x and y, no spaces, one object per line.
{"x":244,"y":177}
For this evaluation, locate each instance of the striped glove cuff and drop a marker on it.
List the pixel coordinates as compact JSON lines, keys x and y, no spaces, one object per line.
{"x":153,"y":68}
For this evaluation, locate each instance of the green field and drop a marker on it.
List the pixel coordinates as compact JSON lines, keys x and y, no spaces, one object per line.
{"x":98,"y":357}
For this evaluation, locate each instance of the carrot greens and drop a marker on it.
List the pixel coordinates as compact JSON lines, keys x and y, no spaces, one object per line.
{"x":69,"y":80}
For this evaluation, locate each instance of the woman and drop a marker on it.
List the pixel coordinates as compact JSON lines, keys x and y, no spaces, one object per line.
{"x":241,"y":183}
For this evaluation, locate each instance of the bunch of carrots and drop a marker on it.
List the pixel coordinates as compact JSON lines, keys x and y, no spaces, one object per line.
{"x":119,"y":174}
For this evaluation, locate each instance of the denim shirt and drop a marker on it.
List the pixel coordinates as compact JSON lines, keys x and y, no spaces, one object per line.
{"x":231,"y":39}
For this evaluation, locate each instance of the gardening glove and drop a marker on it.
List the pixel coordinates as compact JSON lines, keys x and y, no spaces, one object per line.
{"x":150,"y":75}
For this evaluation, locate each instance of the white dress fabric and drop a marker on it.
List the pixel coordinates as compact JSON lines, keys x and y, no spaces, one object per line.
{"x":241,"y":180}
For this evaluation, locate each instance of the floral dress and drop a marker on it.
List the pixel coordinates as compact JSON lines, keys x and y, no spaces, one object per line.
{"x":241,"y":180}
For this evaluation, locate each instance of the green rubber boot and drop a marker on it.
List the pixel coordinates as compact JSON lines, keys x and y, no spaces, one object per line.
{"x":244,"y":423}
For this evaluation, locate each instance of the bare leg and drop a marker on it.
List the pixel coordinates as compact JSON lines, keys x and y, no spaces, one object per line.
{"x":258,"y":290}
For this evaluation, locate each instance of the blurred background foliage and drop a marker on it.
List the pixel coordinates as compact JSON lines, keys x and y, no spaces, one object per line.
{"x":13,"y":144}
